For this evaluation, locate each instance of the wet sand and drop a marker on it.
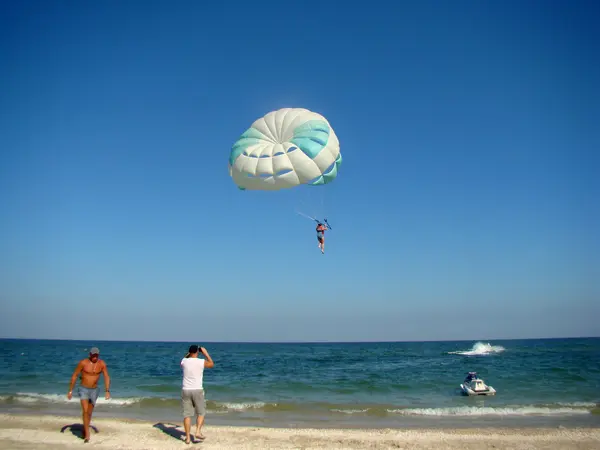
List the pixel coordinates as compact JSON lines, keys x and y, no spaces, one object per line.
{"x":62,"y":432}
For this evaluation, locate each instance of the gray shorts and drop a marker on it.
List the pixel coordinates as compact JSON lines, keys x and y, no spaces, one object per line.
{"x":90,"y":394}
{"x":193,"y":402}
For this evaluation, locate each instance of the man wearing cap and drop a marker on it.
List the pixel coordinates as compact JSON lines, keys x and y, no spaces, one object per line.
{"x":90,"y":370}
{"x":192,"y":392}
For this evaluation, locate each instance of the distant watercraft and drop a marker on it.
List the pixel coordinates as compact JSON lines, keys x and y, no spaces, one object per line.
{"x":473,"y":385}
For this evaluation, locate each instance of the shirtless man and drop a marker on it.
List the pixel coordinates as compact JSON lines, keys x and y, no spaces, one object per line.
{"x":90,"y":370}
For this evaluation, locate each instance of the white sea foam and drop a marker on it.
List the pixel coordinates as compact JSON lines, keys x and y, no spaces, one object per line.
{"x":349,"y":411}
{"x":33,"y":397}
{"x":480,"y":349}
{"x":241,"y":406}
{"x":555,"y":409}
{"x":578,"y":404}
{"x":489,"y":411}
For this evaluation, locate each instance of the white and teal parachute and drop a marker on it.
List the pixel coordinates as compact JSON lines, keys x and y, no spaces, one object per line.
{"x":284,"y":149}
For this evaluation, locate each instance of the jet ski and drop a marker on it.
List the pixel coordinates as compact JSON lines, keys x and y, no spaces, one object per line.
{"x":473,"y":385}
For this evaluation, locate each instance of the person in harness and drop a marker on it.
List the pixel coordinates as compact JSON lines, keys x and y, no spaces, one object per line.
{"x":321,"y":235}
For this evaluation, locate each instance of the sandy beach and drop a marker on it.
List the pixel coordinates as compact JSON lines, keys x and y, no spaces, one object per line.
{"x":29,"y":432}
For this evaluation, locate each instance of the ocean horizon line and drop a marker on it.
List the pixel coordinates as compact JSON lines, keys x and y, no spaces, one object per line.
{"x":295,"y":342}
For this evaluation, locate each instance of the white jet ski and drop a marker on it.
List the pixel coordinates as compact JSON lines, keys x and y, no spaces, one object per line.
{"x":473,"y":385}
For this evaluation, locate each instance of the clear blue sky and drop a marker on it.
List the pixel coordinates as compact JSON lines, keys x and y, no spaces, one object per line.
{"x":467,"y":205}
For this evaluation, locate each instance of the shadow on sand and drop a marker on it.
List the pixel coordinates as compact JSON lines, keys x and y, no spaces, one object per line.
{"x":171,"y":430}
{"x":77,"y":429}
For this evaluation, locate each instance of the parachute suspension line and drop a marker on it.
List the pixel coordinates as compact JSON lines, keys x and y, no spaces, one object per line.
{"x":322,"y":203}
{"x":303,"y":203}
{"x":307,"y":216}
{"x":318,"y":200}
{"x":311,"y":201}
{"x":325,"y":222}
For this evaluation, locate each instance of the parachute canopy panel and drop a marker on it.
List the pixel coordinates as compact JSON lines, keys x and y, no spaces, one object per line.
{"x":284,"y":149}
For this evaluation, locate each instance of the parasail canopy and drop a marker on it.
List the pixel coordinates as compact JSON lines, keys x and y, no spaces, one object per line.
{"x":284,"y":149}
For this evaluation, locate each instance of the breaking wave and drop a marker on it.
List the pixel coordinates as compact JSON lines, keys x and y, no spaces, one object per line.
{"x":480,"y":349}
{"x":525,"y":410}
{"x":32,"y":397}
{"x":549,"y":409}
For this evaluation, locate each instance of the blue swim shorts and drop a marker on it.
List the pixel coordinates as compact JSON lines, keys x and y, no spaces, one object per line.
{"x":90,"y":394}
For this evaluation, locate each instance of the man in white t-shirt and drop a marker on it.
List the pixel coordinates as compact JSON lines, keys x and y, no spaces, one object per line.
{"x":192,"y":390}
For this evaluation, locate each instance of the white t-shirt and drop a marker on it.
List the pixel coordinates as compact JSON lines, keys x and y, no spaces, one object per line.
{"x":193,"y":371}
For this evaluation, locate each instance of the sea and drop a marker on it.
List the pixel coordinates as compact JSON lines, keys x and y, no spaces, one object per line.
{"x":539,"y":382}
